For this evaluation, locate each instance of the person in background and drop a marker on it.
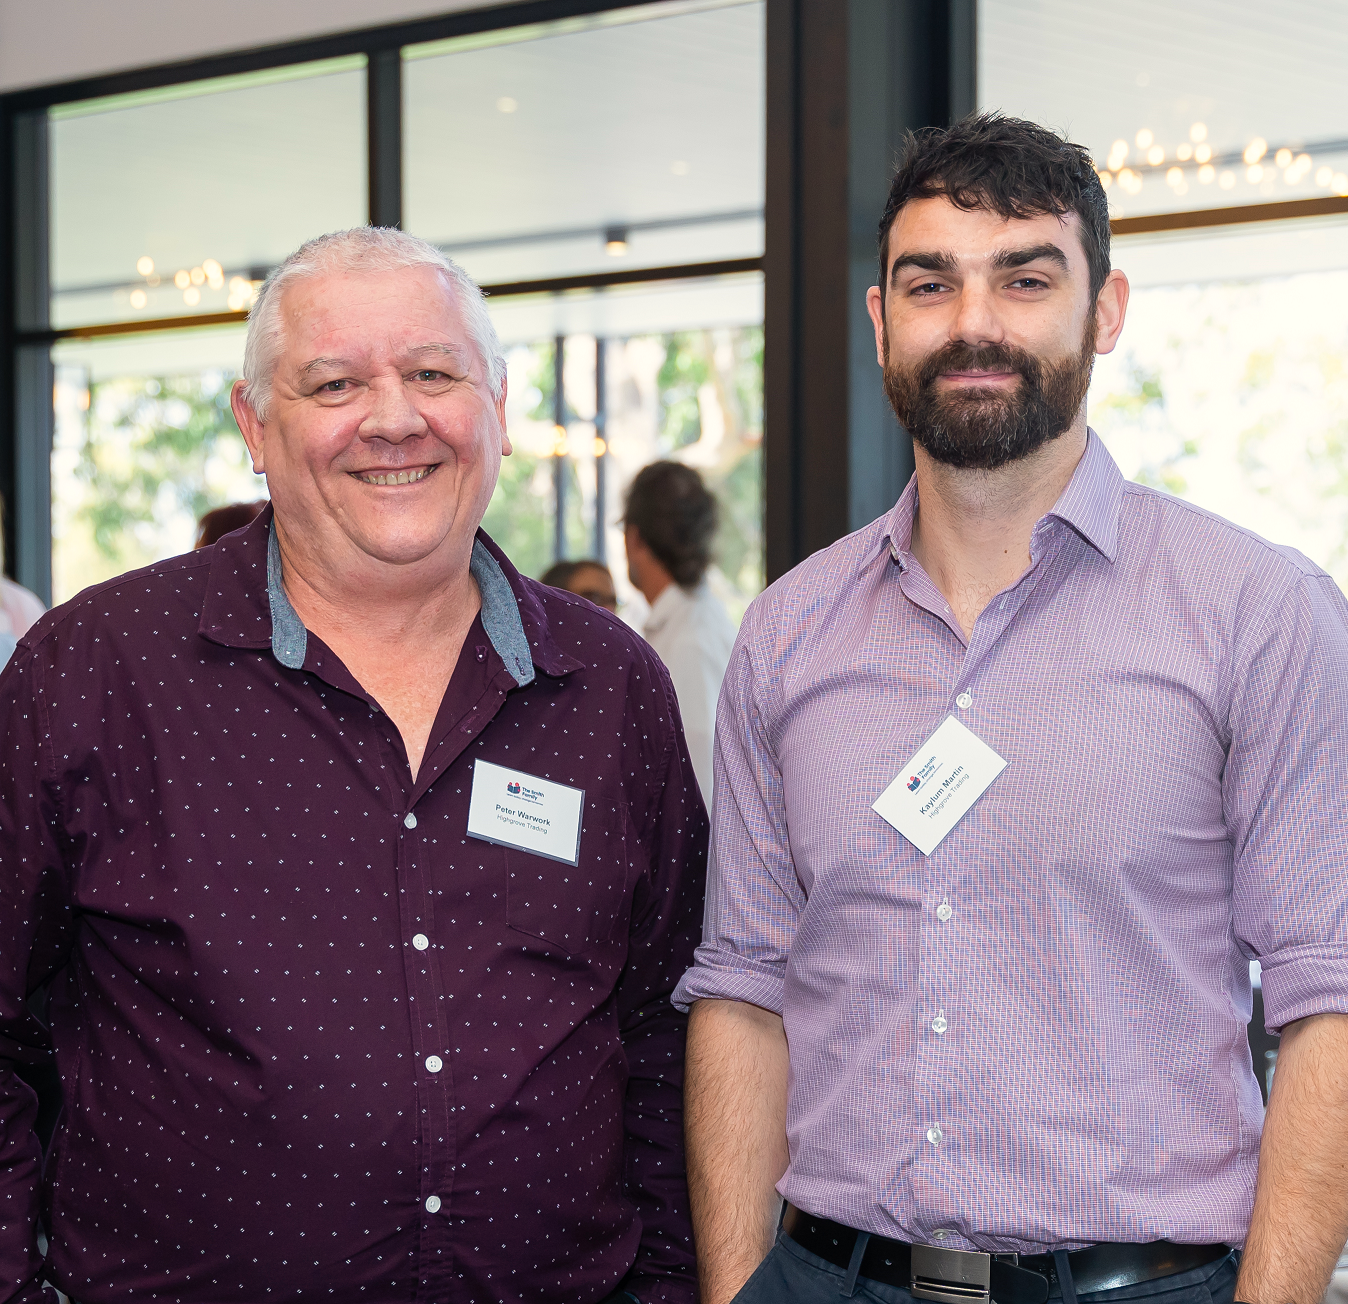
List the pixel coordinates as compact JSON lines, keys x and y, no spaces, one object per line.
{"x":586,"y":578}
{"x":19,"y":607}
{"x":220,"y":521}
{"x":670,"y":520}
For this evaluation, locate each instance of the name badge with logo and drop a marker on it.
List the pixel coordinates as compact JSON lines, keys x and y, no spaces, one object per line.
{"x":514,"y":809}
{"x":933,"y":792}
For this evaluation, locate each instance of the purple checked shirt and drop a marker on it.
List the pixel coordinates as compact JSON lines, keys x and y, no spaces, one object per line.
{"x":315,"y":1041}
{"x":1034,"y":1038}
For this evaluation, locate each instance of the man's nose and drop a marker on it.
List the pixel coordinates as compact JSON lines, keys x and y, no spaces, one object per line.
{"x":977,"y":321}
{"x":392,"y":414}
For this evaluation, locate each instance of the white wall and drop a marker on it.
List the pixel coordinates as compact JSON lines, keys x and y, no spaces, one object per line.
{"x":43,"y":41}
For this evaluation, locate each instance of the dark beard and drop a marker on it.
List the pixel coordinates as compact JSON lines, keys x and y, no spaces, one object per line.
{"x":985,"y":428}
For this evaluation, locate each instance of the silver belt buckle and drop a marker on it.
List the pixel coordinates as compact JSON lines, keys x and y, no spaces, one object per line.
{"x":950,"y":1276}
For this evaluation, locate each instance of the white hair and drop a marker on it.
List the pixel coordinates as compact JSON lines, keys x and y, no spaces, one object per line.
{"x":361,"y":249}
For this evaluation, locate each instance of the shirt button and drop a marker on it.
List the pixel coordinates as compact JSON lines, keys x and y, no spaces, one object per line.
{"x":964,"y":701}
{"x":934,"y":1134}
{"x":434,"y":1063}
{"x":939,"y":1235}
{"x":938,"y":1024}
{"x":421,"y":941}
{"x":432,"y":1204}
{"x":410,"y":820}
{"x":943,"y":911}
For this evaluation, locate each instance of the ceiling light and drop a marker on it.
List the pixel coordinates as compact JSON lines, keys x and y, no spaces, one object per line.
{"x":198,"y":276}
{"x":1184,"y":153}
{"x":1227,"y":180}
{"x":1341,"y":183}
{"x":1203,"y":153}
{"x":212,"y":269}
{"x":181,"y":279}
{"x":1254,"y":174}
{"x":1198,"y":132}
{"x":600,"y":448}
{"x":559,"y":441}
{"x":1283,"y":158}
{"x":615,"y":241}
{"x":191,"y":296}
{"x":1206,"y":174}
{"x":1255,"y":150}
{"x":1144,"y":138}
{"x":139,"y":298}
{"x":1156,"y":156}
{"x":145,"y":264}
{"x":1106,"y":179}
{"x":506,"y":104}
{"x":1303,"y":161}
{"x":1324,"y":176}
{"x":1175,"y":176}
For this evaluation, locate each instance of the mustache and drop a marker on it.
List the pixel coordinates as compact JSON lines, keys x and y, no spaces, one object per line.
{"x":961,"y":356}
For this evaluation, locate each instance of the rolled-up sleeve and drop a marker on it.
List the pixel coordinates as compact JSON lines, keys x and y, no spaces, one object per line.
{"x":1285,"y":791}
{"x":754,"y":897}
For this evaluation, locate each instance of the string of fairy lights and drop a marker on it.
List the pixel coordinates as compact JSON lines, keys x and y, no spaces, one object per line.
{"x":1259,"y":164}
{"x":208,"y":274}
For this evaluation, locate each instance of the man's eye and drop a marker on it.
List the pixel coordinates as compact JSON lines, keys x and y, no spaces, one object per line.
{"x":1029,"y":283}
{"x":334,"y":387}
{"x":428,"y":375}
{"x":928,"y":287}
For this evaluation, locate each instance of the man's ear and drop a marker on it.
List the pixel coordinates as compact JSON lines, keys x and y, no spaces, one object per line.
{"x":252,"y":430}
{"x":875,"y":305}
{"x":506,"y":448}
{"x":1111,"y":307}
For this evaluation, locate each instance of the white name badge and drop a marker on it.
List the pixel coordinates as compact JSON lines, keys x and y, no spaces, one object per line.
{"x":946,"y":775}
{"x":514,"y":809}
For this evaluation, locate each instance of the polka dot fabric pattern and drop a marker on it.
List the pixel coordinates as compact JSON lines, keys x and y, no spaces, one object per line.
{"x":1035,"y":1037}
{"x":314,"y":1041}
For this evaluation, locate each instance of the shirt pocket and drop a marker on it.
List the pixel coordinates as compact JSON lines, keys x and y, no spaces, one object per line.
{"x":574,"y":908}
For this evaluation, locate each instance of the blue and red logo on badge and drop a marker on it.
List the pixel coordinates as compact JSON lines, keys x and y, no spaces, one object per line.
{"x":914,"y":783}
{"x":513,"y":789}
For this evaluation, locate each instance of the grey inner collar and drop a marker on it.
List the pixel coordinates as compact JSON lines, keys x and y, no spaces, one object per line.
{"x":500,"y":614}
{"x":289,"y":638}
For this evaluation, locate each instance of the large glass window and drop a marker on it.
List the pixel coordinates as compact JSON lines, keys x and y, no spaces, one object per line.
{"x":1229,"y":386}
{"x":603,"y":173}
{"x":1207,"y":104}
{"x":632,"y":138}
{"x":174,"y":202}
{"x":144,"y":444}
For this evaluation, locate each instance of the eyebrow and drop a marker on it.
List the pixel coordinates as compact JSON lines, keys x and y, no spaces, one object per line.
{"x":927,"y":260}
{"x":325,"y":364}
{"x":435,"y":349}
{"x":1046,"y":252}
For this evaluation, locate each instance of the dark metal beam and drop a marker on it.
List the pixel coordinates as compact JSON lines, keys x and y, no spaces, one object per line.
{"x":845,"y":81}
{"x":601,"y":442}
{"x":559,"y":458}
{"x":384,"y":136}
{"x":32,"y":414}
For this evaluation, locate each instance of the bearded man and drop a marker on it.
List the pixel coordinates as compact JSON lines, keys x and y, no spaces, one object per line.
{"x":1011,"y":785}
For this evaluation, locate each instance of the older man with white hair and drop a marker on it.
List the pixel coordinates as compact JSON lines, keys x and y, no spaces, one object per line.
{"x":346,"y":873}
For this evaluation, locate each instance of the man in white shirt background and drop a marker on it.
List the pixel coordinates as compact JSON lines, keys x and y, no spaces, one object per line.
{"x":670,"y":520}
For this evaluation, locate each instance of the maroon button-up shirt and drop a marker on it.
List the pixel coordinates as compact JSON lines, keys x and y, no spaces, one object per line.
{"x":315,"y":1041}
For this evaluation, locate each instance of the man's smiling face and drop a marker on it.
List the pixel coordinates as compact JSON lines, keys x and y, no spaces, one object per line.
{"x":383,"y":435}
{"x":987,"y":332}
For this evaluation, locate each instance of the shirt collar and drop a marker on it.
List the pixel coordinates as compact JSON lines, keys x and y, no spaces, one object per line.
{"x":663,"y":608}
{"x":246,"y":605}
{"x":1090,"y":505}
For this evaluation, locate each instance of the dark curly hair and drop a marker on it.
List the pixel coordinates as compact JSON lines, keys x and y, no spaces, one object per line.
{"x":1007,"y":166}
{"x":676,"y":516}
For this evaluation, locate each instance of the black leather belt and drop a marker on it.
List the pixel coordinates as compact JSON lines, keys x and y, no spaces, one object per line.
{"x":960,"y":1277}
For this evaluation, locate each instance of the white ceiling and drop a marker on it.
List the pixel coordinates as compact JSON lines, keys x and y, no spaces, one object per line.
{"x":61,"y":40}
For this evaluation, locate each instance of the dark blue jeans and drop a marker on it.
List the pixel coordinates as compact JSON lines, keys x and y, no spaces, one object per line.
{"x":791,"y":1275}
